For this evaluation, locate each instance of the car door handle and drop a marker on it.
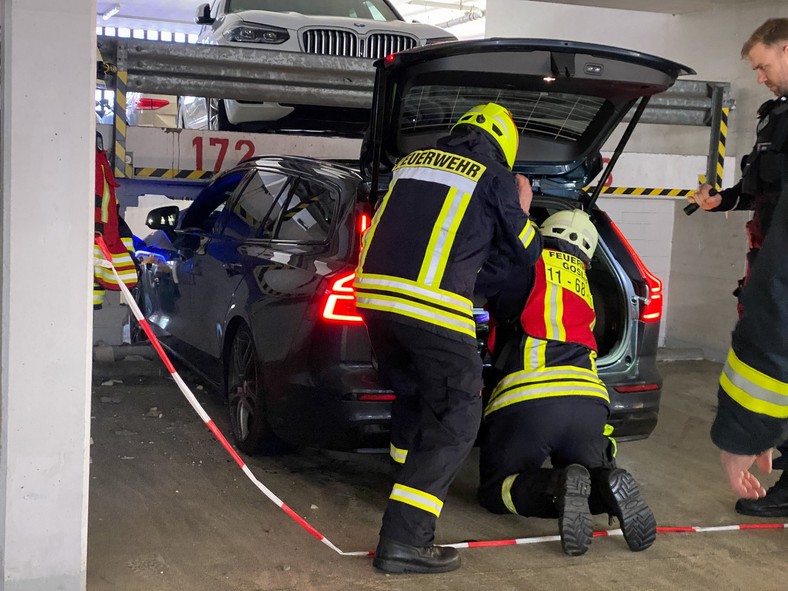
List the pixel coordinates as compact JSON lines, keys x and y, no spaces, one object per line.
{"x":233,"y":268}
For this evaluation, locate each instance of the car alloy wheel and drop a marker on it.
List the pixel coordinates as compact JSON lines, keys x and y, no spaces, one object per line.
{"x":246,"y":401}
{"x":217,"y":116}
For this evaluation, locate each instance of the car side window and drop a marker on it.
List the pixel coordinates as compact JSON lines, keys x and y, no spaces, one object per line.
{"x":248,"y":215}
{"x":204,"y":213}
{"x":309,"y":213}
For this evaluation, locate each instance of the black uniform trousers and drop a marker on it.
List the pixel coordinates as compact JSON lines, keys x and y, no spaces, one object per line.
{"x":518,"y":439}
{"x":435,"y":416}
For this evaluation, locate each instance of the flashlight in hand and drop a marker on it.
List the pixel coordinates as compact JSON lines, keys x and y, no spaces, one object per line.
{"x":692,"y":207}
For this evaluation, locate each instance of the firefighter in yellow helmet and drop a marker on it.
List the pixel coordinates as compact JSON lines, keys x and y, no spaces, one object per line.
{"x":550,"y":402}
{"x":445,"y":209}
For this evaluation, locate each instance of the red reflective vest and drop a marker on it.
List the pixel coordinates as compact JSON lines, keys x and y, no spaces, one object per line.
{"x":560,"y":306}
{"x":106,"y":219}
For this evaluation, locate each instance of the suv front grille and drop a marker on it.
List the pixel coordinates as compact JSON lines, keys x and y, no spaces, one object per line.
{"x":348,"y":44}
{"x":382,"y":44}
{"x":331,"y":42}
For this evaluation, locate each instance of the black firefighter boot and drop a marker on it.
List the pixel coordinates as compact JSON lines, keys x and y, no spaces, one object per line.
{"x":616,"y":493}
{"x":574,"y":517}
{"x":392,"y":556}
{"x":774,"y":504}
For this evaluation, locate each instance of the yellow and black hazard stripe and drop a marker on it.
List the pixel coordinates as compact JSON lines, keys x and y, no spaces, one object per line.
{"x":122,"y":168}
{"x":644,"y":191}
{"x":300,"y":207}
{"x":169,"y":173}
{"x":721,"y":147}
{"x":260,"y":273}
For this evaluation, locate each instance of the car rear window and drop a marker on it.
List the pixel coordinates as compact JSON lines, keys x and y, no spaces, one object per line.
{"x":560,"y":116}
{"x":309,"y":213}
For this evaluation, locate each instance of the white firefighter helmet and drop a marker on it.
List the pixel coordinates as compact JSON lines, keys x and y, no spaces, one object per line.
{"x":575,"y":227}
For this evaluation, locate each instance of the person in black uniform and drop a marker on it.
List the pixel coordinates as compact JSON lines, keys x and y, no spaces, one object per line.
{"x":550,"y":402}
{"x":445,"y":209}
{"x":753,"y":398}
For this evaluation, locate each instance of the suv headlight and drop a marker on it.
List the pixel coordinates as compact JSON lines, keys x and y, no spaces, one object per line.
{"x":256,"y":34}
{"x":435,"y":40}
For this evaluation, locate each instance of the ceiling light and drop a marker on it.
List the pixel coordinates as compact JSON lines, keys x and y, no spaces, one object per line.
{"x":111,"y":12}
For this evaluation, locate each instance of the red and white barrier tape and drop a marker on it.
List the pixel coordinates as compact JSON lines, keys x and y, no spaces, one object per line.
{"x":300,"y":520}
{"x":196,"y":405}
{"x":618,"y":532}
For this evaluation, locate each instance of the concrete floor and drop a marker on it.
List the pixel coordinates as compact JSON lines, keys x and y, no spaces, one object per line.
{"x":169,"y":510}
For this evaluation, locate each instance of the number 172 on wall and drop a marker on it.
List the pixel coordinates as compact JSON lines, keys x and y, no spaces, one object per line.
{"x":217,"y":150}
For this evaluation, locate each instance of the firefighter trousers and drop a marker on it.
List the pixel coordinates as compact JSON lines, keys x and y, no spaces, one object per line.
{"x":515,"y":442}
{"x":435,"y":417}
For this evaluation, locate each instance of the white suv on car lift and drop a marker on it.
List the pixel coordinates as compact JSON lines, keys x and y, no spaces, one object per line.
{"x":368,"y":29}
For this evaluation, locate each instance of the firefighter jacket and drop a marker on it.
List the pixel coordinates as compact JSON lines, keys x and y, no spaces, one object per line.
{"x":557,"y":354}
{"x":445,"y":210}
{"x":752,"y":414}
{"x":108,"y":224}
{"x":759,"y":187}
{"x":560,"y":306}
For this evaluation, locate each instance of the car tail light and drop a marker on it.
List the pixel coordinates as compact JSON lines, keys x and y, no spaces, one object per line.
{"x":363,"y":223}
{"x":636,"y":388}
{"x":151,"y":104}
{"x":340,"y":305}
{"x":651,"y":311}
{"x":376,"y":397}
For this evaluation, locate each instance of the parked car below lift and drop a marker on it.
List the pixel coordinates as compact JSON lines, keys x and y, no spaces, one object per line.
{"x":151,"y":110}
{"x":251,"y":285}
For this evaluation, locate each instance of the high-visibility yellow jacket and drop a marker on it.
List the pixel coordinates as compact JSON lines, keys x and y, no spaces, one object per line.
{"x":444,"y":211}
{"x":556,"y":352}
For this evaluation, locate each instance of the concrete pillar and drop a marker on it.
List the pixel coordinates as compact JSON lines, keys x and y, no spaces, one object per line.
{"x":46,"y":150}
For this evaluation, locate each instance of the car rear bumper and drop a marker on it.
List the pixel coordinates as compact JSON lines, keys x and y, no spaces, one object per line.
{"x":246,"y":112}
{"x":634,"y":414}
{"x":630,"y":426}
{"x":343,"y":408}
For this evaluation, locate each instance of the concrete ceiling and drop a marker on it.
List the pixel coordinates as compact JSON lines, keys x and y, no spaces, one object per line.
{"x":663,"y":6}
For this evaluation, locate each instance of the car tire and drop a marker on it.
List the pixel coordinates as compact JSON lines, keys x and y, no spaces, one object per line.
{"x":137,"y":334}
{"x":180,"y":120}
{"x":217,"y":116}
{"x":246,"y":399}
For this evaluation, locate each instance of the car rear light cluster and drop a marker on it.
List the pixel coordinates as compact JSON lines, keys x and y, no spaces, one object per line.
{"x":375,"y":397}
{"x":151,"y":104}
{"x":363,"y":223}
{"x":340,"y":303}
{"x":651,"y":310}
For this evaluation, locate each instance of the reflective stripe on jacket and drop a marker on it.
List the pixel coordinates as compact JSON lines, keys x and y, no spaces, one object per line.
{"x":444,"y":211}
{"x":548,"y":369}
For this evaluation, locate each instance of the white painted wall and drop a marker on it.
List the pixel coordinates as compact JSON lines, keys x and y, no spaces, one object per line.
{"x":46,"y":276}
{"x":187,"y":149}
{"x":706,"y":250}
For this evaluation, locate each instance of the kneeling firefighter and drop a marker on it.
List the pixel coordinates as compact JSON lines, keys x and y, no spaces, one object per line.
{"x":445,"y":209}
{"x":551,"y":403}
